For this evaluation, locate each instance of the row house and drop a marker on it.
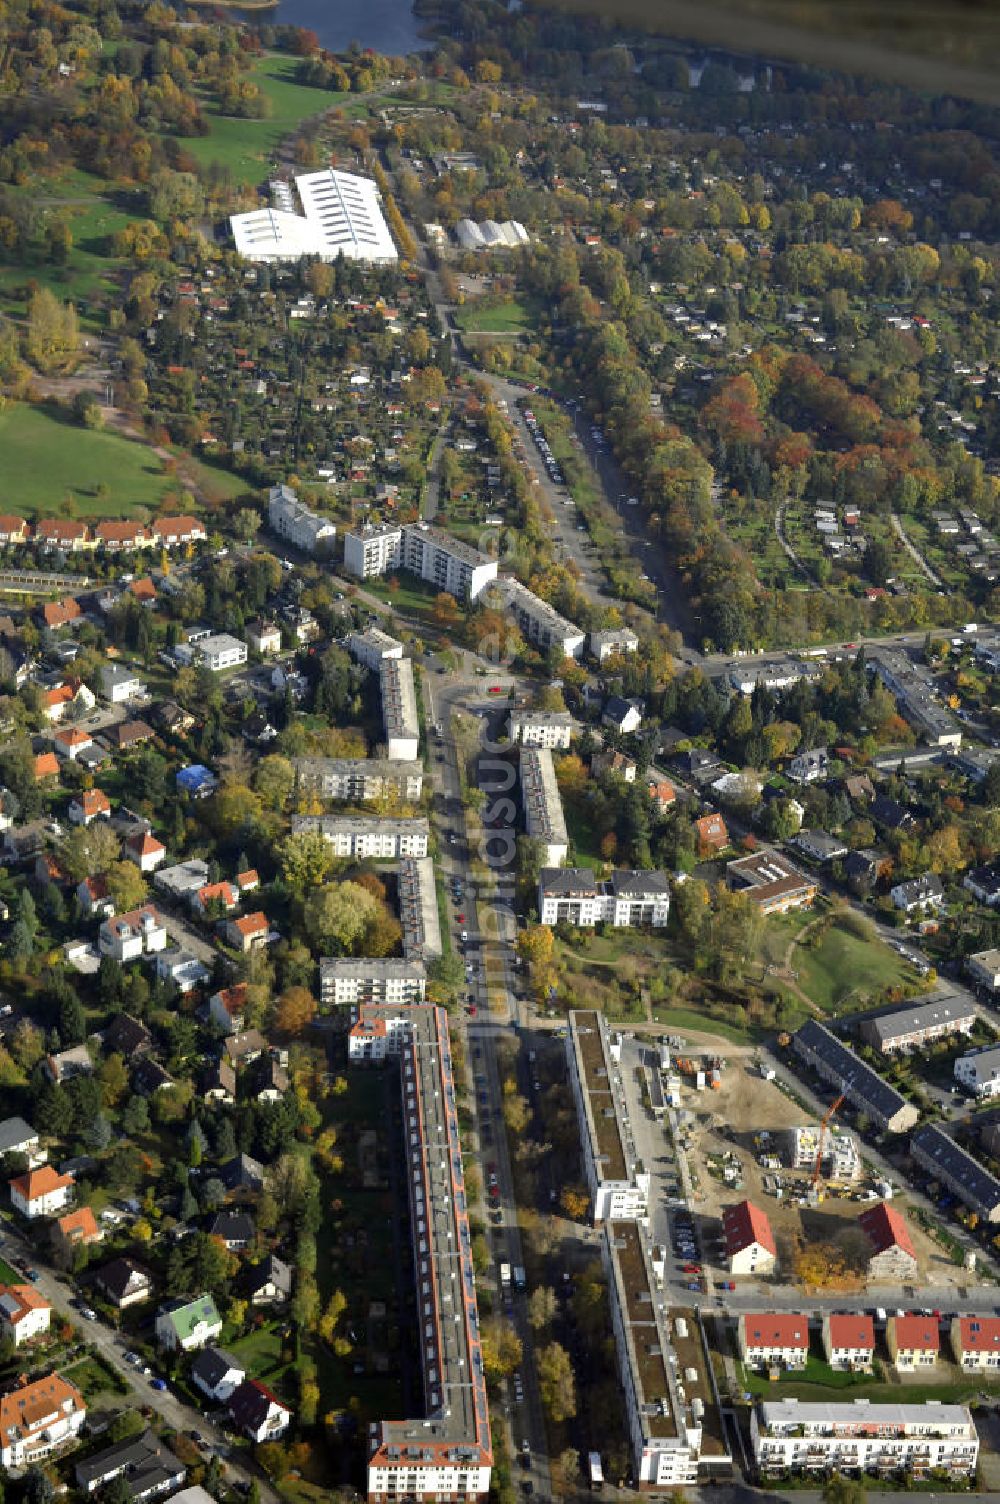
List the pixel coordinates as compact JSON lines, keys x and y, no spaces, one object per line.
{"x":773,"y":1340}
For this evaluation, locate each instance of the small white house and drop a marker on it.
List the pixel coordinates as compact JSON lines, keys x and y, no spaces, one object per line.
{"x":129,"y":937}
{"x":23,"y":1314}
{"x":120,"y":684}
{"x":216,"y":1374}
{"x":264,"y":637}
{"x":40,"y":1193}
{"x":188,"y":1324}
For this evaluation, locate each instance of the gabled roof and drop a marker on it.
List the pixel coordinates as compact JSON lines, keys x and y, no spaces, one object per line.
{"x":979,"y":1334}
{"x":251,"y":924}
{"x":854,"y":1332}
{"x":29,"y":1409}
{"x":119,"y":1274}
{"x":18,"y":1301}
{"x":250,"y":1404}
{"x":884,"y":1228}
{"x":186,"y":1315}
{"x":745,"y":1224}
{"x":41,"y":1182}
{"x":917,"y":1333}
{"x":772,"y":1329}
{"x":144,"y":843}
{"x":80,"y":1226}
{"x":212,"y":1365}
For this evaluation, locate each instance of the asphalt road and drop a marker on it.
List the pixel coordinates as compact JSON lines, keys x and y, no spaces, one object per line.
{"x":483,"y":1032}
{"x":112,"y":1347}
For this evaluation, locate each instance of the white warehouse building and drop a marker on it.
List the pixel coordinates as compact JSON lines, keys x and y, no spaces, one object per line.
{"x":341,"y":216}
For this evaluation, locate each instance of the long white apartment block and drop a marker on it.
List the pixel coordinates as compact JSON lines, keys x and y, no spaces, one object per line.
{"x":617,"y":1179}
{"x":421,"y":549}
{"x":671,"y":1416}
{"x":368,"y":839}
{"x":350,"y":981}
{"x":573,"y":896}
{"x":399,"y":709}
{"x":291,"y":519}
{"x":418,"y":909}
{"x":446,"y":1452}
{"x":539,"y":622}
{"x":543,"y":811}
{"x":372,"y":647}
{"x":541,"y":728}
{"x":359,"y":778}
{"x":863,"y":1437}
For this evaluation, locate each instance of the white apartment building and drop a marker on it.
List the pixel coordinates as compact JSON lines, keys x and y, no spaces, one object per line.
{"x":617,"y":1179}
{"x":984,"y":967}
{"x":979,"y":1071}
{"x":802,"y":1436}
{"x":770,"y":1339}
{"x":374,"y":550}
{"x":666,"y":1388}
{"x":220,"y":651}
{"x":421,"y":549}
{"x":399,"y":709}
{"x":38,"y":1419}
{"x":41,"y":1192}
{"x":372,"y":647}
{"x":349,"y":981}
{"x":446,"y":562}
{"x":541,"y":728}
{"x":359,"y":778}
{"x":543,"y":811}
{"x":571,"y":895}
{"x":129,"y":937}
{"x":611,"y":643}
{"x":447,"y":1452}
{"x":539,"y":622}
{"x":841,"y":1152}
{"x":368,"y":839}
{"x":291,"y":519}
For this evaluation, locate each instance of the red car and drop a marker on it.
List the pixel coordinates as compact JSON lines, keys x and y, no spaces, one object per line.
{"x":692,"y":1268}
{"x":460,"y":918}
{"x":473,"y":1010}
{"x":495,"y":689}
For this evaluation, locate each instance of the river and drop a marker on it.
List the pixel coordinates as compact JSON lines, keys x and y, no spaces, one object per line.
{"x":383,"y":25}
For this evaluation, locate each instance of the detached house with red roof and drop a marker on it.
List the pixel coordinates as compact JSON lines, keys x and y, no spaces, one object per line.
{"x":23,"y":1314}
{"x":70,"y":741}
{"x":57,"y":614}
{"x":913,"y":1342}
{"x":214,"y":897}
{"x":892,"y":1260}
{"x":171,"y":532}
{"x":975,"y":1342}
{"x":91,"y":804}
{"x":849,"y":1341}
{"x":247,"y":933}
{"x":750,"y":1246}
{"x":93,"y":897}
{"x":257,"y":1412}
{"x":711,"y":833}
{"x":228,"y":1007}
{"x":40,"y":1193}
{"x":145,"y":850}
{"x":46,"y":766}
{"x":76,"y":1229}
{"x":56,"y":702}
{"x":774,"y":1340}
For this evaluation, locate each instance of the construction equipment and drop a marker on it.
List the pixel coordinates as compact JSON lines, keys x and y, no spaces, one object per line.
{"x":814,"y":1194}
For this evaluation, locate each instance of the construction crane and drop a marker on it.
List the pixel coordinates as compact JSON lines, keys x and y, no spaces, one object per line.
{"x":824,"y":1125}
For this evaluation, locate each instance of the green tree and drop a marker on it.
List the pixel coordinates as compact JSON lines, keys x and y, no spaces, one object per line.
{"x":338,"y":914}
{"x":556,"y":1382}
{"x":52,"y":339}
{"x":306,"y":859}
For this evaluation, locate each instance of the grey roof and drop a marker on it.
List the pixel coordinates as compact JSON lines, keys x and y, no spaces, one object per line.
{"x":236,"y":1227}
{"x":857,"y":1079}
{"x":638,"y":884}
{"x":928,"y":886}
{"x":212,"y":1364}
{"x":571,"y":882}
{"x":116,"y":1276}
{"x":978,"y":1187}
{"x":147,"y":1465}
{"x":906,"y":1021}
{"x":242,"y":1172}
{"x":13,"y":1133}
{"x":270,"y":1270}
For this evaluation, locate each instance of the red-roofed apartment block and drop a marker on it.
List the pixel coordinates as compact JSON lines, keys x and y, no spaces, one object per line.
{"x":749,"y":1240}
{"x":849,"y":1341}
{"x":772,"y":1340}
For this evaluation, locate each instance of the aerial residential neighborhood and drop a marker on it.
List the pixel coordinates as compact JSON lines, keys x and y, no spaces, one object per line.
{"x":499,"y":753}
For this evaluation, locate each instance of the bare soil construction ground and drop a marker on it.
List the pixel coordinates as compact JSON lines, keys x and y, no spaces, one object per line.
{"x":727,"y":1120}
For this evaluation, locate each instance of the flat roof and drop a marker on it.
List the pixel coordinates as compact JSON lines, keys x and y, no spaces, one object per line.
{"x":369,"y":968}
{"x":543,"y":809}
{"x":833,"y":1414}
{"x":455,"y":1427}
{"x":341,"y":215}
{"x":399,"y":699}
{"x":357,"y":767}
{"x":603,"y":1095}
{"x":418,"y":909}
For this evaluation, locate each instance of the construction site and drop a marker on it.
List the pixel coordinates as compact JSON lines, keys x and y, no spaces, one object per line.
{"x":744,"y":1138}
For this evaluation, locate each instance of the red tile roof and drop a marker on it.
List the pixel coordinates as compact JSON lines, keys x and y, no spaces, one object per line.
{"x":884,"y":1229}
{"x":252,"y":924}
{"x":852,"y":1332}
{"x":772,"y":1330}
{"x":917,"y":1333}
{"x":80,"y":1226}
{"x":38,"y":1183}
{"x":46,"y":765}
{"x":745,"y":1224}
{"x":979,"y":1334}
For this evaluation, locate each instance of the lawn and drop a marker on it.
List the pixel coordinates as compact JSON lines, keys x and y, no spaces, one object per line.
{"x":820,"y":1382}
{"x":92,"y":1377}
{"x":248,"y":147}
{"x":9,"y":1276}
{"x":508,"y":317}
{"x":704,"y":1023}
{"x":261,"y":1353}
{"x":842,"y":965}
{"x":76,"y":461}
